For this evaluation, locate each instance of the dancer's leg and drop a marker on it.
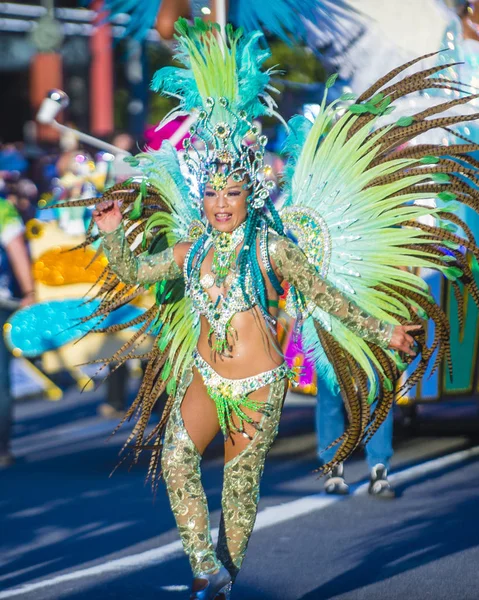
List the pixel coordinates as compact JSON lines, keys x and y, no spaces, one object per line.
{"x":244,"y":463}
{"x":192,"y":425}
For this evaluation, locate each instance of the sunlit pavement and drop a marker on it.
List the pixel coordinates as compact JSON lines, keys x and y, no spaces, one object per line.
{"x":68,"y":530}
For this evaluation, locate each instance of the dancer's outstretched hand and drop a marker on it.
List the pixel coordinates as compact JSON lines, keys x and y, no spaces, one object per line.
{"x":402,"y":340}
{"x":107,"y":215}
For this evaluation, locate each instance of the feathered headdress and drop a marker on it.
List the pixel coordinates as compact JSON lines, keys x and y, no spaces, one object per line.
{"x":223,"y":85}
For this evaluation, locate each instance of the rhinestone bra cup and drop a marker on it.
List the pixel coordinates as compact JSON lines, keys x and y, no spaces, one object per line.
{"x":219,"y":314}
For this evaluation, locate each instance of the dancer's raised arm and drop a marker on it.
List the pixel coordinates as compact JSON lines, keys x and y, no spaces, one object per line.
{"x":294,"y":267}
{"x":132,"y":269}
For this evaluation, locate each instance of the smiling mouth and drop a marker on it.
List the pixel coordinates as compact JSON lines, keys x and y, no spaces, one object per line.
{"x":223,"y":217}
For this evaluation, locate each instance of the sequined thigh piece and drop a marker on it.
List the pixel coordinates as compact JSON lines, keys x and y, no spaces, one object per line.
{"x":242,"y":476}
{"x":180,"y":463}
{"x":231,"y":396}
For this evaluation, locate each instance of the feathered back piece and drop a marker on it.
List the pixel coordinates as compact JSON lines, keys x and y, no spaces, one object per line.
{"x":223,"y":85}
{"x":156,"y":214}
{"x":370,"y":205}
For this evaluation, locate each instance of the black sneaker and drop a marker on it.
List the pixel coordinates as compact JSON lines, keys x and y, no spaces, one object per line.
{"x":379,"y":486}
{"x":335,"y":483}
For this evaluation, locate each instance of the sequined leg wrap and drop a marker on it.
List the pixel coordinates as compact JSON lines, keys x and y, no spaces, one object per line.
{"x":242,"y":476}
{"x":181,"y":470}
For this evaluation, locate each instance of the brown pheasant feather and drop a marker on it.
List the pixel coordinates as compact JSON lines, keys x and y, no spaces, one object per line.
{"x":422,"y":171}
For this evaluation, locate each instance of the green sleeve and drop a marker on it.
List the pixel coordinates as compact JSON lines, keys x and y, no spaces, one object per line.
{"x":11,"y":223}
{"x":132,"y":269}
{"x":298,"y":272}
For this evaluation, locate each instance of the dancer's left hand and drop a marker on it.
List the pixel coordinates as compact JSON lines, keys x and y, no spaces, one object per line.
{"x":402,"y":340}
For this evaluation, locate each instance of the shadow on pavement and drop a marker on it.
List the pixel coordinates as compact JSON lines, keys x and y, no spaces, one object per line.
{"x":63,"y":512}
{"x":409,"y":544}
{"x":164,"y":582}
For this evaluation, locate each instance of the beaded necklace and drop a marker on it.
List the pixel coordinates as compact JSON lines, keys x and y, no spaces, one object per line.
{"x":224,"y":256}
{"x":219,"y":313}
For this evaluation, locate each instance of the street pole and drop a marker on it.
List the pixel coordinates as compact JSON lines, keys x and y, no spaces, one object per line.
{"x":101,"y":74}
{"x":46,"y":66}
{"x":220,"y":10}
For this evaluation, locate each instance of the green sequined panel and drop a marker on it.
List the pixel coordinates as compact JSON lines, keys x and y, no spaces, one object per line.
{"x":231,"y":396}
{"x":312,"y":234}
{"x":132,"y":269}
{"x":180,"y":463}
{"x":297,"y":271}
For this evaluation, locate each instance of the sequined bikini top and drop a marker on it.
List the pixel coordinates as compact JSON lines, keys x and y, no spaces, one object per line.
{"x":219,"y":313}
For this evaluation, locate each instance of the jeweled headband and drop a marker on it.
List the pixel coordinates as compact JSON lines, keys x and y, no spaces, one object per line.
{"x":227,"y":152}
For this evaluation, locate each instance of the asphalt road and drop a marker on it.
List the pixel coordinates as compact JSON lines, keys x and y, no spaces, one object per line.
{"x":68,"y":530}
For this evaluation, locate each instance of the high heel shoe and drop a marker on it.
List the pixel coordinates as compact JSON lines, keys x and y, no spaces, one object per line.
{"x":225,"y":593}
{"x":217,"y":583}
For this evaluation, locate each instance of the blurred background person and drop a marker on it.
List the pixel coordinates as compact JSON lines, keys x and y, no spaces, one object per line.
{"x":330,"y":425}
{"x":15,"y":268}
{"x":12,"y":159}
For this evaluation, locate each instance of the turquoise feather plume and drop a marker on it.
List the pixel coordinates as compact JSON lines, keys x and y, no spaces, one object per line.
{"x":299,"y":128}
{"x":336,"y":22}
{"x":142,"y":15}
{"x":217,"y":67}
{"x":161,"y":169}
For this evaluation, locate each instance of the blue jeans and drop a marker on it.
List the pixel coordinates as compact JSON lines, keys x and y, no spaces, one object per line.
{"x":6,"y":399}
{"x":330,"y":424}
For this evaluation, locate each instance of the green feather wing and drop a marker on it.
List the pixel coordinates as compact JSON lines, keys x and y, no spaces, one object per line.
{"x":157,"y":214}
{"x":359,"y":186}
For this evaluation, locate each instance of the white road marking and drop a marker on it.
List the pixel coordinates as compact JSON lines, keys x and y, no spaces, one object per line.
{"x":271,"y":516}
{"x":150,"y":557}
{"x":174,"y":588}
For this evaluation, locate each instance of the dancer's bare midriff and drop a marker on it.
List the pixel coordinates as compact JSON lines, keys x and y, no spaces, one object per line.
{"x":254,"y":348}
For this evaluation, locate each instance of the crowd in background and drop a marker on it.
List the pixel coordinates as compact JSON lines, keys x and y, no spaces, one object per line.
{"x":28,"y":171}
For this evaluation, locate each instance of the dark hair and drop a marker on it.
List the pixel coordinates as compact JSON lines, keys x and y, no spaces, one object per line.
{"x":248,"y":256}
